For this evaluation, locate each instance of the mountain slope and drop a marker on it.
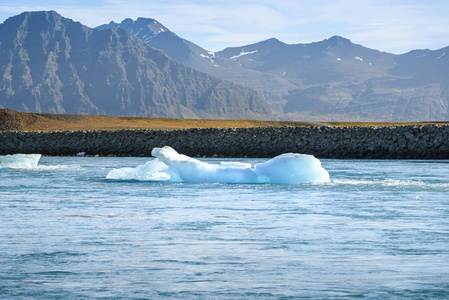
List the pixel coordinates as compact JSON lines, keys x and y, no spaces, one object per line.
{"x":51,"y":64}
{"x":333,"y":79}
{"x":338,"y":80}
{"x":158,"y":36}
{"x":270,"y":87}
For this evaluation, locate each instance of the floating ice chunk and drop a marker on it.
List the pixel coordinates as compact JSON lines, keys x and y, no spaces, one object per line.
{"x":289,"y":168}
{"x":153,"y":170}
{"x":292,"y":168}
{"x":189,"y":169}
{"x":19,"y":161}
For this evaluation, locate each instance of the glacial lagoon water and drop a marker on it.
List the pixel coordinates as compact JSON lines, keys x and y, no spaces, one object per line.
{"x":378,"y":230}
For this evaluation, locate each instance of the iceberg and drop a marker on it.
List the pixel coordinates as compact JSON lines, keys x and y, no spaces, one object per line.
{"x":169,"y":165}
{"x":19,"y":161}
{"x":153,"y":170}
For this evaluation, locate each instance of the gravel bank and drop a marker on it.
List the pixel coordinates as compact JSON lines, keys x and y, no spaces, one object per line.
{"x":406,"y":142}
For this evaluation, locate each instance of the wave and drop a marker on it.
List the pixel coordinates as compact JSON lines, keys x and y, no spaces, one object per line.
{"x":393,"y":183}
{"x":59,"y":167}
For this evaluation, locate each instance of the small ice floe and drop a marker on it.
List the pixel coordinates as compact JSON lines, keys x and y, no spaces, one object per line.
{"x":20,"y":161}
{"x":169,"y":165}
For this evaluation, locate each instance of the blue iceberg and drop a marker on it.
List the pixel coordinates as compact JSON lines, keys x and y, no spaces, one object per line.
{"x":169,"y":165}
{"x":20,"y":161}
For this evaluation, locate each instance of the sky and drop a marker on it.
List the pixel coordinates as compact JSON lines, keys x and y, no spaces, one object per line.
{"x":395,"y":26}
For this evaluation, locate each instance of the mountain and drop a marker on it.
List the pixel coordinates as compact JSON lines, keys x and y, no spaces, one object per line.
{"x":158,"y":36}
{"x":333,"y":79}
{"x":52,"y":64}
{"x":270,"y":87}
{"x":338,"y":80}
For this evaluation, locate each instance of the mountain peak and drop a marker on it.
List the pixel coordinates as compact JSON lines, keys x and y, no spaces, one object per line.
{"x":61,"y":66}
{"x":39,"y":18}
{"x":28,"y":14}
{"x":271,"y":41}
{"x":266,"y":43}
{"x":37,"y":22}
{"x":336,"y":39}
{"x":42,"y":12}
{"x":144,"y":28}
{"x":146,"y":20}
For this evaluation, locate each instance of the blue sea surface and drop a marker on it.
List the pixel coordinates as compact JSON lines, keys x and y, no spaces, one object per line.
{"x":378,"y":230}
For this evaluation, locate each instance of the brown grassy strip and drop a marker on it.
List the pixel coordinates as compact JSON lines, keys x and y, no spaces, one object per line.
{"x":13,"y":120}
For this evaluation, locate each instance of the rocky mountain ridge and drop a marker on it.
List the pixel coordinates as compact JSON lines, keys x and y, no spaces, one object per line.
{"x":52,"y":64}
{"x":334,"y":79}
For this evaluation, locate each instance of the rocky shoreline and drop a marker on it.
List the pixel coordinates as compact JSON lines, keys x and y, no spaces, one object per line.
{"x":386,"y":142}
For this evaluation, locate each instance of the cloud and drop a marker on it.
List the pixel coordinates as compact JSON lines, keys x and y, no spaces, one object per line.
{"x":395,"y":26}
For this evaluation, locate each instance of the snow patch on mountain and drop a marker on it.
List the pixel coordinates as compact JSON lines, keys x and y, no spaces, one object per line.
{"x":208,"y":57}
{"x":328,"y":47}
{"x":444,"y":53}
{"x":423,"y":55}
{"x":242,"y":53}
{"x":148,"y":39}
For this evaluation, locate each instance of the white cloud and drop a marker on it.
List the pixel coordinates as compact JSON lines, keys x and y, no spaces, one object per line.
{"x":394,"y":26}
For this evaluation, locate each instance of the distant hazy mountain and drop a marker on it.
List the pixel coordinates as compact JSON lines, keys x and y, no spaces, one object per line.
{"x":51,"y":64}
{"x":338,"y":80}
{"x":329,"y":80}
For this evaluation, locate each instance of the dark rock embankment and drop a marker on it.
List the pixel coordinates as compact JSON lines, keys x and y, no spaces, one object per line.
{"x":415,"y":141}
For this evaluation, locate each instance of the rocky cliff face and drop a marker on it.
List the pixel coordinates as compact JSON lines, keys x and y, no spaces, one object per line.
{"x":271,"y":87}
{"x":52,"y":64}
